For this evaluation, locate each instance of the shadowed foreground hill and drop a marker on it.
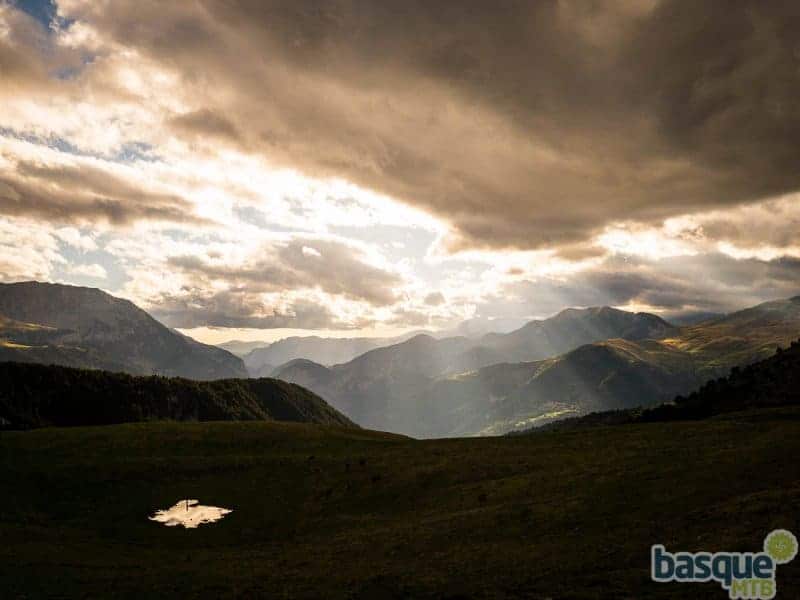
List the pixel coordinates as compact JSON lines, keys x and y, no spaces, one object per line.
{"x":332,"y":513}
{"x":38,"y":395}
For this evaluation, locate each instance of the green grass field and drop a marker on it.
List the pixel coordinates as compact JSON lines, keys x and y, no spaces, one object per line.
{"x":334,"y":513}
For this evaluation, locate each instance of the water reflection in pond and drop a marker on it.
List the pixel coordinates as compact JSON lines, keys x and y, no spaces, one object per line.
{"x":190,"y":514}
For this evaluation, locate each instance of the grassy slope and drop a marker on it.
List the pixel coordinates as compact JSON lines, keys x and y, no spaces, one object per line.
{"x":740,"y":338}
{"x":608,"y":375}
{"x":769,"y":383}
{"x":616,"y":373}
{"x":335,"y":513}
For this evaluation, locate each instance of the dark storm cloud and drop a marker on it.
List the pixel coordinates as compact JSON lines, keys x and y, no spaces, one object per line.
{"x":331,"y":266}
{"x":524,"y":124}
{"x":772,"y":224}
{"x":68,"y":193}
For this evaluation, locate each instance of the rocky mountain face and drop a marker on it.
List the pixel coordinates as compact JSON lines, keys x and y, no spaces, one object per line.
{"x":86,"y":327}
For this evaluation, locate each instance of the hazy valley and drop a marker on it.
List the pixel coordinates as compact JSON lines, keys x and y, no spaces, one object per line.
{"x":577,"y":362}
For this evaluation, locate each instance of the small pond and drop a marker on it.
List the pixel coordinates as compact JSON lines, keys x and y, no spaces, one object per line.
{"x":189,"y":514}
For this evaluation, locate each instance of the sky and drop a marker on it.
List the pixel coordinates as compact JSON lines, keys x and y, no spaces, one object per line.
{"x":253,"y":169}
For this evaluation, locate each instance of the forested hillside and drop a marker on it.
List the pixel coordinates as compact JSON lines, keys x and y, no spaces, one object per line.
{"x":40,"y":395}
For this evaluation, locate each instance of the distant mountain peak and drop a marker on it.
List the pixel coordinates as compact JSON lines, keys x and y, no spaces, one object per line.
{"x":302,"y":362}
{"x":421,"y":338}
{"x":573,"y":312}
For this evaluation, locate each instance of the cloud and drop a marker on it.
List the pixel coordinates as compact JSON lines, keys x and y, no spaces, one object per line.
{"x":93,"y":271}
{"x":269,"y":285}
{"x":308,"y":251}
{"x":332,"y":267}
{"x":674,"y":287}
{"x":278,"y":163}
{"x":410,"y":318}
{"x":237,"y":309}
{"x":434,"y":299}
{"x":82,"y":191}
{"x":28,"y":251}
{"x":204,"y":123}
{"x":770,"y":226}
{"x":73,"y":237}
{"x":529,"y":125}
{"x":21,"y":61}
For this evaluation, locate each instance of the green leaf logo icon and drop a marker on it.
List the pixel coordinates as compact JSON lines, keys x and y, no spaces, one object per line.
{"x":781,"y":545}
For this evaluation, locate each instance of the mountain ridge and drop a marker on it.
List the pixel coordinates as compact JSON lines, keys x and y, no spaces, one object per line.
{"x":49,"y":395}
{"x":389,"y":388}
{"x":620,"y":374}
{"x":322,"y":350}
{"x":87,"y":327}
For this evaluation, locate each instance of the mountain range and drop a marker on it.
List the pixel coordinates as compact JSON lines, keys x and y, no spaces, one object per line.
{"x":241,"y":348}
{"x":577,"y":362}
{"x":261,"y":361}
{"x":86,"y":327}
{"x":580,"y":361}
{"x":616,"y":373}
{"x":418,"y":387}
{"x":261,"y":358}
